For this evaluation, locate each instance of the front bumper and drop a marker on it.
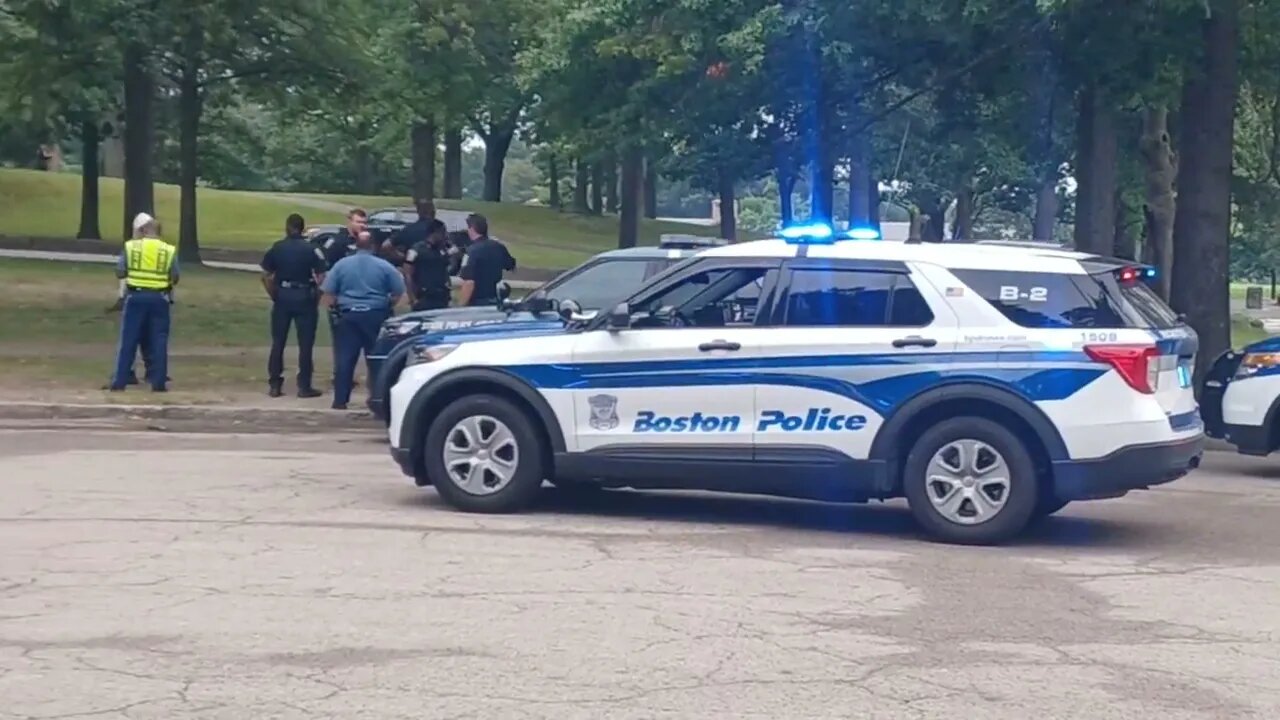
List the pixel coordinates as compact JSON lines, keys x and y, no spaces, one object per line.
{"x":1248,"y":439}
{"x":403,"y":458}
{"x":1132,"y":468}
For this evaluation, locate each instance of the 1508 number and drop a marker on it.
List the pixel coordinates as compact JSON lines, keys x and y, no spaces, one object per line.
{"x":1013,"y":293}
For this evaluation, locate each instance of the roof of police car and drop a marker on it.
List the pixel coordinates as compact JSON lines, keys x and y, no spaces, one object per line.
{"x":949,"y":255}
{"x":651,"y":252}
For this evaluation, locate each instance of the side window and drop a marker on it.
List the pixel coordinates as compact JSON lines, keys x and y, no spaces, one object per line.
{"x":854,"y":298}
{"x":722,"y":297}
{"x":1045,"y":300}
{"x":601,"y":284}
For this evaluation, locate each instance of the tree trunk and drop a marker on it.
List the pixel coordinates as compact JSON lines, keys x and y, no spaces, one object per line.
{"x":915,"y":233}
{"x":364,"y":169}
{"x":632,"y":179}
{"x":90,"y":141}
{"x":860,"y":182}
{"x":611,"y":184}
{"x":422,"y":141}
{"x":650,"y":189}
{"x":139,"y":136}
{"x":452,"y":186}
{"x":1046,"y":217}
{"x":962,"y":228}
{"x":1202,"y":223}
{"x":1160,"y":171}
{"x":580,"y":182}
{"x":822,"y":191}
{"x":728,"y":205}
{"x":495,"y":162}
{"x":1097,"y":153}
{"x":786,"y":192}
{"x":597,"y":187}
{"x":190,"y":103}
{"x":1123,"y":242}
{"x":553,"y":181}
{"x":1042,"y":85}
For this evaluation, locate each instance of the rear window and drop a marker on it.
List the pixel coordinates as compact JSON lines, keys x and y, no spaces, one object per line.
{"x":1055,"y":300}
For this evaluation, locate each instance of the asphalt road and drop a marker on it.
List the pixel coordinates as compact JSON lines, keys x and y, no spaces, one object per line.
{"x":158,"y":575}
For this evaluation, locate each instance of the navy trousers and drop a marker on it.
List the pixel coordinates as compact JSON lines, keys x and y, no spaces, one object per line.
{"x":354,"y":333}
{"x":146,"y":314}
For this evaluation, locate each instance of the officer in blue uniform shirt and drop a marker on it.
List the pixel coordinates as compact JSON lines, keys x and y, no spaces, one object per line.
{"x":363,"y":289}
{"x":149,"y":268}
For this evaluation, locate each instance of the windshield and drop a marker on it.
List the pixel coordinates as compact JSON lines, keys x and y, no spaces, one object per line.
{"x":604,"y":283}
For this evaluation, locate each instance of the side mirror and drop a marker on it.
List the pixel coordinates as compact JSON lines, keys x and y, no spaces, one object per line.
{"x":569,"y":309}
{"x":620,"y":317}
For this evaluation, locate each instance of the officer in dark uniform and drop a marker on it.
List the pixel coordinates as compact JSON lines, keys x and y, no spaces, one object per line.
{"x":482,"y":266}
{"x":344,"y":243}
{"x":396,"y":248}
{"x":426,"y":271}
{"x":292,"y":271}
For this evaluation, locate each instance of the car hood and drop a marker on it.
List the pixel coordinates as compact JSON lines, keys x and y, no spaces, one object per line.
{"x":503,"y":331}
{"x":1268,"y":345}
{"x":459,"y":318}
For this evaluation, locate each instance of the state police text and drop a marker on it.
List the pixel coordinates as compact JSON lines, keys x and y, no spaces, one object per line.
{"x":814,"y":420}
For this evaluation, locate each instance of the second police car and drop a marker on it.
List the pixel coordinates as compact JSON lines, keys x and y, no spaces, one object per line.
{"x":600,"y":280}
{"x":987,"y":385}
{"x":1241,"y":398}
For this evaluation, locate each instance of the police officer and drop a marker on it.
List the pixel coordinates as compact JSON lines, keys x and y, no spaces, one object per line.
{"x":426,"y":271}
{"x":363,"y":289}
{"x":149,"y":267}
{"x":396,"y":248}
{"x":291,"y":273}
{"x":482,"y":266}
{"x":342,"y":245}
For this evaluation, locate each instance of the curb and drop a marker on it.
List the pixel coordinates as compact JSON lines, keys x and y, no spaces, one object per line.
{"x":221,"y":417}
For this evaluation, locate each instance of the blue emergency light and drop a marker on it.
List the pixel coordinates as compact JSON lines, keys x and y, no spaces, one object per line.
{"x":818,"y":233}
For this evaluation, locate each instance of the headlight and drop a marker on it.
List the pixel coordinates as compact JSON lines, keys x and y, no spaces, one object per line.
{"x":401,"y":329}
{"x":1253,"y":363}
{"x":428,"y":353}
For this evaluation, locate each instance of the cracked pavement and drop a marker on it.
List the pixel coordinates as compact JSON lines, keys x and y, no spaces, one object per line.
{"x":165,"y":575}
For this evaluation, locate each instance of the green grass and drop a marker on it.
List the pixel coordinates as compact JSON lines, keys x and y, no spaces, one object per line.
{"x":39,"y":204}
{"x":1244,"y":332}
{"x":56,"y":331}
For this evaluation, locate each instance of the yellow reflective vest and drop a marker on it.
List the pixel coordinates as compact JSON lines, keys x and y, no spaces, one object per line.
{"x":148,"y":262}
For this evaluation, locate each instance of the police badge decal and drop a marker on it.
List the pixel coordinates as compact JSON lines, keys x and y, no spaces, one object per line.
{"x":604,"y":412}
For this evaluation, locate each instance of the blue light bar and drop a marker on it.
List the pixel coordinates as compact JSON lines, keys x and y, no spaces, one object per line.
{"x":1151,"y":272}
{"x":863,"y":233}
{"x":812,"y":232}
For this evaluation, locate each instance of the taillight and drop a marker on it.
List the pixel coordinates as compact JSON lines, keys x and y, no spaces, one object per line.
{"x":1135,"y":363}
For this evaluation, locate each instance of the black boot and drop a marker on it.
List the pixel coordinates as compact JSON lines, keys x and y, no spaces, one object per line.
{"x":276,"y":390}
{"x":307,"y":393}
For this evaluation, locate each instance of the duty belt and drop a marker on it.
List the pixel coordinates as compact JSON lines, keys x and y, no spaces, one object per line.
{"x":133,"y":288}
{"x":297,"y":285}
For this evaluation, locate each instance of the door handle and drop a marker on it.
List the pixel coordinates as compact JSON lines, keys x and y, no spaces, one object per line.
{"x":915,"y":341}
{"x":719,"y":345}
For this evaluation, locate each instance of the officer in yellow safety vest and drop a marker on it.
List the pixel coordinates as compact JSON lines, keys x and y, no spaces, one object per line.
{"x":149,"y":268}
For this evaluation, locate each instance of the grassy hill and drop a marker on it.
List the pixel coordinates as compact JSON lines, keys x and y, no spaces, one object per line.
{"x":39,"y":204}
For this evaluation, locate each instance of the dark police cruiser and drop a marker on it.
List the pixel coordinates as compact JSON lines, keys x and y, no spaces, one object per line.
{"x":988,"y":385}
{"x":602,"y":279}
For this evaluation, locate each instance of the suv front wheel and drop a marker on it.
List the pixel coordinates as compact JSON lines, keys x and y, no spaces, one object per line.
{"x":484,"y":455}
{"x":969,"y":480}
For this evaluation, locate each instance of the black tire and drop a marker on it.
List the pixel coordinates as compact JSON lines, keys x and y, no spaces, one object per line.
{"x":1023,"y":492}
{"x":388,"y":377}
{"x":526,"y":481}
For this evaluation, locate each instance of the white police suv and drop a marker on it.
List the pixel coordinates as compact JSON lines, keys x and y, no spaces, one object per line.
{"x":987,"y":384}
{"x":1241,"y":397}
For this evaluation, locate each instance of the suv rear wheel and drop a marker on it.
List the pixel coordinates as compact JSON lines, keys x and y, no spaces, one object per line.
{"x":970,"y":480}
{"x":484,"y":455}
